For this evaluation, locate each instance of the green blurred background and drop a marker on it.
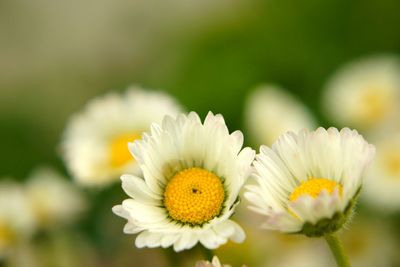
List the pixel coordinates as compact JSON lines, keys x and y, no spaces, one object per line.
{"x":56,"y":55}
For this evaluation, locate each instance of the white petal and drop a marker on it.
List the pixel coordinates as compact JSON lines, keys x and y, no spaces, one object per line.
{"x":303,"y":208}
{"x":211,"y":240}
{"x":168,"y":240}
{"x":186,"y":241}
{"x":283,"y":222}
{"x":144,"y":213}
{"x":238,"y":235}
{"x":148,"y":239}
{"x":120,"y":211}
{"x":137,"y":189}
{"x":131,"y":228}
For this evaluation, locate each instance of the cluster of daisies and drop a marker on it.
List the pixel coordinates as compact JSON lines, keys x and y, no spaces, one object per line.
{"x":183,"y":174}
{"x":37,"y":205}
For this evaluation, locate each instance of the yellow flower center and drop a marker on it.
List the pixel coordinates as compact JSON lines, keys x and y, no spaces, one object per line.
{"x":375,"y":104}
{"x":119,"y":152}
{"x":392,"y":162}
{"x":313,"y":188}
{"x":194,"y":196}
{"x":7,"y":236}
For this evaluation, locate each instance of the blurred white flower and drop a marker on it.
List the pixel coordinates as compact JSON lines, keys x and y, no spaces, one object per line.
{"x":96,"y":140}
{"x":16,"y":219}
{"x":193,"y":173}
{"x":214,"y":263}
{"x":271,"y":111}
{"x":53,"y":199}
{"x":382,"y":183}
{"x":364,"y":94}
{"x":307,"y":183}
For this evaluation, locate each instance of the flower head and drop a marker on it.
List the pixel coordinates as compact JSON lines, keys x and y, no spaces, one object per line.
{"x":96,"y":140}
{"x":16,"y":219}
{"x":308,"y":182}
{"x":382,"y":183}
{"x":193,"y":173}
{"x":262,"y":107}
{"x":364,"y":94}
{"x":53,"y":199}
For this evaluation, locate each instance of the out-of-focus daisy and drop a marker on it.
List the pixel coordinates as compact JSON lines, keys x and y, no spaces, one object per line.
{"x":271,"y":111}
{"x":96,"y":140}
{"x":214,"y":263}
{"x":307,"y":183}
{"x":364,"y":94}
{"x":16,"y":219}
{"x":53,"y":199}
{"x":382,"y":184}
{"x":193,"y":173}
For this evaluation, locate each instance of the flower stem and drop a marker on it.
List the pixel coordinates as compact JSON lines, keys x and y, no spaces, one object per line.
{"x":207,"y":253}
{"x":337,"y":250}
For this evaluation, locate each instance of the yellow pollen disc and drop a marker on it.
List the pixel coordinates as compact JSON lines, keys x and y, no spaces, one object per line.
{"x":313,"y":188}
{"x":119,"y":153}
{"x":194,"y":196}
{"x":392,"y":162}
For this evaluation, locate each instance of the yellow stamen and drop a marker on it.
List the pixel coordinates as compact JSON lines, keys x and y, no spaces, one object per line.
{"x":313,"y":188}
{"x":194,"y":196}
{"x":119,"y":153}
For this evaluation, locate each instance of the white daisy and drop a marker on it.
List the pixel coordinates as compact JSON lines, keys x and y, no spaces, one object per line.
{"x":16,"y":219}
{"x":308,"y":182}
{"x":95,"y":141}
{"x":382,"y":183}
{"x":193,"y":173}
{"x":53,"y":199}
{"x":262,"y":107}
{"x":364,"y":94}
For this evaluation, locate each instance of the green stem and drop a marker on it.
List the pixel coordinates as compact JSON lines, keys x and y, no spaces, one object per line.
{"x":207,"y":253}
{"x":337,"y":250}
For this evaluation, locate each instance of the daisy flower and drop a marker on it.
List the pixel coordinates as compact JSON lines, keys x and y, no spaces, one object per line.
{"x":53,"y":199}
{"x":367,"y":92}
{"x":16,"y":219}
{"x":262,"y":107}
{"x":308,"y":182}
{"x":382,"y":183}
{"x":192,"y":175}
{"x":96,"y":140}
